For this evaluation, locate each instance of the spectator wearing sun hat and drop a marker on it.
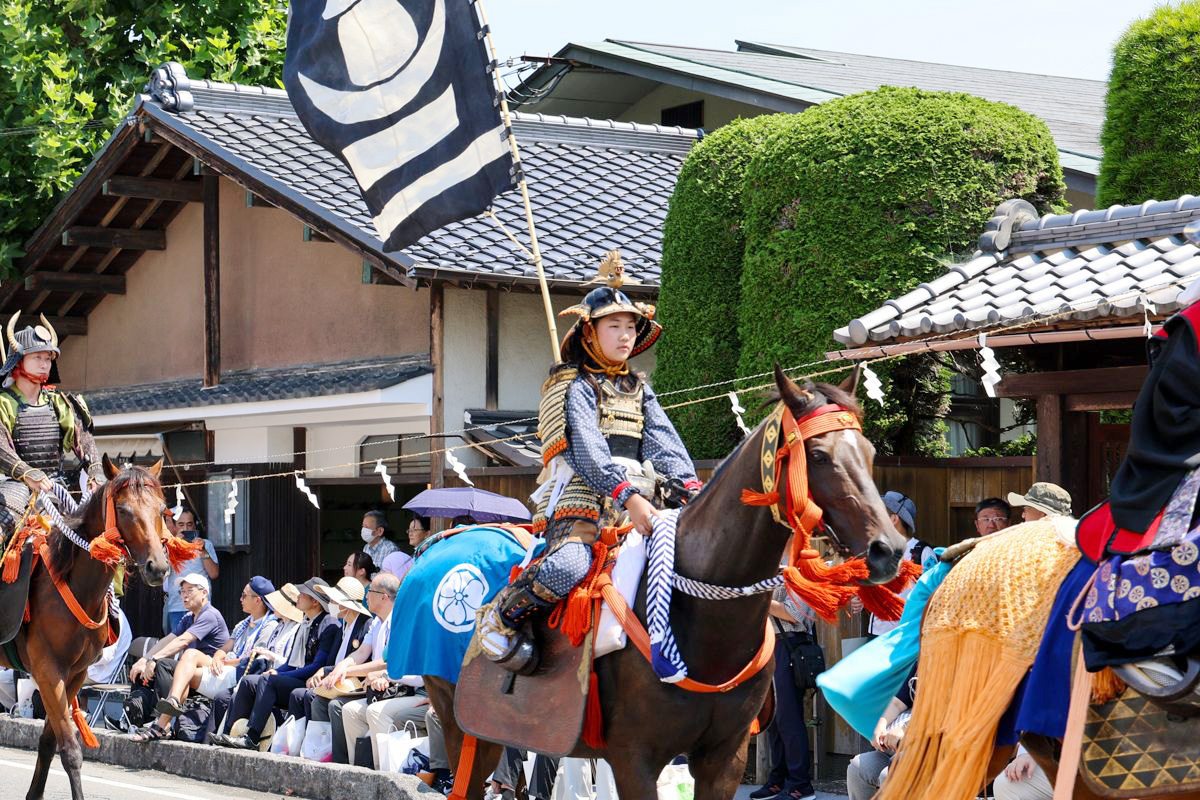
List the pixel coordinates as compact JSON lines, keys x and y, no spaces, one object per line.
{"x":1044,"y":499}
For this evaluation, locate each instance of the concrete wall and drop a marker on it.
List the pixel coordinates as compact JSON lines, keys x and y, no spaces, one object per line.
{"x":283,"y":301}
{"x":717,"y":110}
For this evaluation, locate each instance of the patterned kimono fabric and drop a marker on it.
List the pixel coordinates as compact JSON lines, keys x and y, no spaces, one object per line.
{"x":981,"y":632}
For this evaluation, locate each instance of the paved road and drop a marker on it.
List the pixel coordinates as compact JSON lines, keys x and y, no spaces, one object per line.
{"x":106,"y":782}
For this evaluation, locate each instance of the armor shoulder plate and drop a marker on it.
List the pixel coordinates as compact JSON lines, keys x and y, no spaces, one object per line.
{"x":9,"y":405}
{"x":552,"y":413}
{"x":81,"y":409}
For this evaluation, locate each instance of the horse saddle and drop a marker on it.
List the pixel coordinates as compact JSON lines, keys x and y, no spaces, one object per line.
{"x":14,"y":596}
{"x":1133,"y":749}
{"x":542,"y":712}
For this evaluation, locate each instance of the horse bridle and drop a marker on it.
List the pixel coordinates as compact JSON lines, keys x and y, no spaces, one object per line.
{"x":797,"y":510}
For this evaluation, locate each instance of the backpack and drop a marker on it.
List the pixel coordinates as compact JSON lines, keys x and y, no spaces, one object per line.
{"x":196,"y":721}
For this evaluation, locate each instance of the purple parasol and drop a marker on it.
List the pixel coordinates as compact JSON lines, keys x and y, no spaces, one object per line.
{"x":479,"y":504}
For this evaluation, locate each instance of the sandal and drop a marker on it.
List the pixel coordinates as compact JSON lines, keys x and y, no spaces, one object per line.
{"x":169,"y":706}
{"x":151,"y":733}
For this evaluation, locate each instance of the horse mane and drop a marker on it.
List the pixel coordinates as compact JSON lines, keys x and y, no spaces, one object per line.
{"x":88,"y":520}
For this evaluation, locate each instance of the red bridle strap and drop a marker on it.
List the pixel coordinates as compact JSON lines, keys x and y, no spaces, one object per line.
{"x":801,"y":511}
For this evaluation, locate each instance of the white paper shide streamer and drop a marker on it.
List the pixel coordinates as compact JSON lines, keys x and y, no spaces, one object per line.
{"x":991,"y":367}
{"x":232,"y":503}
{"x":460,"y":469}
{"x":872,"y":384}
{"x":737,"y":409}
{"x":1148,"y":308}
{"x":302,"y":486}
{"x":382,"y":469}
{"x":177,"y":509}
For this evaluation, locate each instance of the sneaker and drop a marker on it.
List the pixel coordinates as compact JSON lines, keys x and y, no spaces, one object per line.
{"x":767,"y":790}
{"x":799,"y":793}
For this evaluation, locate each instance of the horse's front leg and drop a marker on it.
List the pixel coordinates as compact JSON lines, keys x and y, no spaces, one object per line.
{"x":635,"y":774}
{"x":46,"y":744}
{"x":718,"y":771}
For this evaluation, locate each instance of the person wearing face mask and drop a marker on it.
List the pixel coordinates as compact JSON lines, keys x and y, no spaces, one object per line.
{"x":376,"y":544}
{"x":600,"y":423}
{"x":205,"y":563}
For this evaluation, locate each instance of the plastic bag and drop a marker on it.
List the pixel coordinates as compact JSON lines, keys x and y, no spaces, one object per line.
{"x":417,"y":759}
{"x":676,"y":783}
{"x":318,"y":742}
{"x":279,"y":742}
{"x":295,"y":737}
{"x":573,"y":780}
{"x":606,"y":783}
{"x":393,"y":748}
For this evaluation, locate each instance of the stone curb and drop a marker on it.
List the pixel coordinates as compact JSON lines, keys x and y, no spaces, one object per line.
{"x":263,"y":772}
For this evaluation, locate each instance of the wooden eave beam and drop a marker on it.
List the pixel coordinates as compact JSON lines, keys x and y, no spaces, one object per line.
{"x":1104,"y":380}
{"x":75,"y":282}
{"x":114,"y":238}
{"x":153,"y":189}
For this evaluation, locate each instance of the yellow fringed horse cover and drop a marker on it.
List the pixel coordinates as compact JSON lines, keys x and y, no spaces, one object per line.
{"x":981,"y":632}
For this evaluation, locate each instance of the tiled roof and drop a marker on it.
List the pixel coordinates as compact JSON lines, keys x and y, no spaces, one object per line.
{"x":1072,"y":108}
{"x":1086,"y":265}
{"x":487,"y":428}
{"x":595,"y":186}
{"x":251,"y":385}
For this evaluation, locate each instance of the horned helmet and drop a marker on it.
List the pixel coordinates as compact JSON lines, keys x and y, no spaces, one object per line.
{"x":30,"y":339}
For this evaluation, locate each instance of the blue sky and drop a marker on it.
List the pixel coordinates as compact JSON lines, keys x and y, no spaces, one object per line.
{"x":1054,"y":37}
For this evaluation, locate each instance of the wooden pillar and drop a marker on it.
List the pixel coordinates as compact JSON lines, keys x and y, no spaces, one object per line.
{"x":437,"y":311}
{"x":212,"y":279}
{"x":1075,"y":459}
{"x":1050,"y":438}
{"x":492,"y":381}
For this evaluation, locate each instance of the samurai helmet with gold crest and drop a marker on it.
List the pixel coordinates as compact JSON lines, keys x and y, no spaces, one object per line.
{"x":30,"y":339}
{"x":609,"y":299}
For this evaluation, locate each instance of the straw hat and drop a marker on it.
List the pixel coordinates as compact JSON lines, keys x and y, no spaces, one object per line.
{"x":238,"y":730}
{"x":346,"y":687}
{"x":282,"y":601}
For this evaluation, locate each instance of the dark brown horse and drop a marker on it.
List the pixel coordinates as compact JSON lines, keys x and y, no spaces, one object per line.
{"x":54,"y":646}
{"x":721,"y":541}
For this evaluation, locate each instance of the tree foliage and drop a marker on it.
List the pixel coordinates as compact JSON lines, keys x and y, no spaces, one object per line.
{"x":72,"y":69}
{"x":1151,"y":137}
{"x":701,"y":276}
{"x":859,"y":200}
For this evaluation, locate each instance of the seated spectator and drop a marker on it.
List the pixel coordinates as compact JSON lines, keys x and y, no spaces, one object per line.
{"x":387,"y":701}
{"x":359,"y":566}
{"x":1042,"y":500}
{"x":418,"y":530}
{"x":868,"y":771}
{"x":204,"y":564}
{"x":398,"y":564}
{"x":258,"y":696}
{"x":201,"y":628}
{"x":992,"y":514}
{"x":284,"y":645}
{"x":1022,"y":779}
{"x":211,"y":674}
{"x":377,"y":541}
{"x":345,"y":603}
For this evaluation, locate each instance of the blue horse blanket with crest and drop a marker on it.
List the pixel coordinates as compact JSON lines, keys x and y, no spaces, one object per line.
{"x":434,"y":614}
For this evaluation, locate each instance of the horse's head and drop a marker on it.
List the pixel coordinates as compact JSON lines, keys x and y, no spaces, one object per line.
{"x":840,"y":482}
{"x":138,"y":505}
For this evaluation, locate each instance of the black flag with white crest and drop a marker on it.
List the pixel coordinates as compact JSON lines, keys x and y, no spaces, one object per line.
{"x":400,"y":91}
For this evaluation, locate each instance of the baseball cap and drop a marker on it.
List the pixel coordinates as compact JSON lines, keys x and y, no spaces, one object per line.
{"x":261,"y":586}
{"x":198,"y":580}
{"x":903,"y":507}
{"x":1049,"y":498}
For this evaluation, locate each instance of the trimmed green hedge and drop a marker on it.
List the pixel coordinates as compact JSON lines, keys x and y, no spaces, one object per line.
{"x":1151,"y":137}
{"x":859,"y":200}
{"x":701,"y":275}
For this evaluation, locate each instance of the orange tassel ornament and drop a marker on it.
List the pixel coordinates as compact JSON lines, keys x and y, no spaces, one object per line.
{"x":106,"y":548}
{"x":180,"y":551}
{"x":85,"y":733}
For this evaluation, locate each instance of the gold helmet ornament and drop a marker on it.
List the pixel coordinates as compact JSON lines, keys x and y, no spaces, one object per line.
{"x":609,"y":299}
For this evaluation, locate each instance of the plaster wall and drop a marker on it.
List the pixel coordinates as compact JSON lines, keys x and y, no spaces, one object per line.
{"x":283,"y":301}
{"x":331,"y":446}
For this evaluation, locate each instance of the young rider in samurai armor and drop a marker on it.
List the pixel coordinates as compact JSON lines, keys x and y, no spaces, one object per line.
{"x":609,"y":449}
{"x":38,"y":424}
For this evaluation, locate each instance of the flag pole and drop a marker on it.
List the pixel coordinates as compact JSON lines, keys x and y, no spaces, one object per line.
{"x":535,"y":252}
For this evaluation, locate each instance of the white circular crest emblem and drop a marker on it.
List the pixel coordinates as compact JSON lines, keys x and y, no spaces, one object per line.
{"x":458,"y":596}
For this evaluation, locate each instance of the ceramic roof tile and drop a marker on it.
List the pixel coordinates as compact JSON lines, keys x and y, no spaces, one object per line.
{"x":1108,"y":271}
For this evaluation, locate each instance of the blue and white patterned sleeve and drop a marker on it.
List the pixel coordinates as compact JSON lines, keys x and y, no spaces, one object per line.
{"x":661,"y":443}
{"x":587,"y":450}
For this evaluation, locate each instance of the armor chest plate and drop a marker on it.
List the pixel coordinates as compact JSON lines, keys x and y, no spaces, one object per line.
{"x":38,"y":437}
{"x":620,"y":412}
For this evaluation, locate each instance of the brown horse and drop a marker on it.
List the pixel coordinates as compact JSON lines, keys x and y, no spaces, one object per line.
{"x":54,"y":646}
{"x":721,"y":541}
